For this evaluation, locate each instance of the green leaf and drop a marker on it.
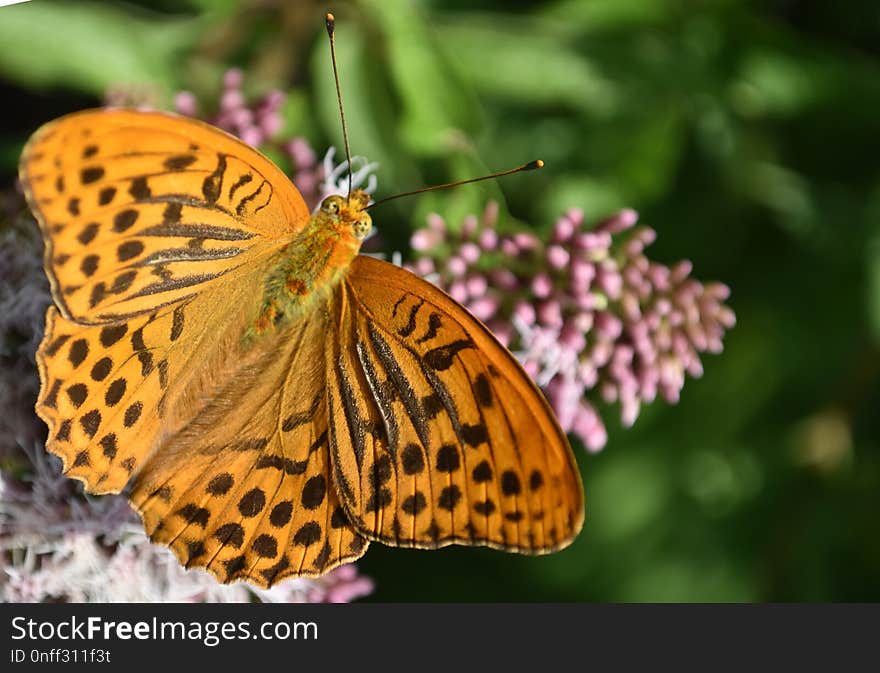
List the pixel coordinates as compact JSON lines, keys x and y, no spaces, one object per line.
{"x":598,"y":15}
{"x":784,"y":191}
{"x":217,"y":7}
{"x":90,"y":46}
{"x":649,"y":154}
{"x":525,"y":63}
{"x":775,"y":84}
{"x":435,"y":106}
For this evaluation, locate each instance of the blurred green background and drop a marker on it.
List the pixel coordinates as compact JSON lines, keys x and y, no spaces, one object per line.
{"x":746,"y":133}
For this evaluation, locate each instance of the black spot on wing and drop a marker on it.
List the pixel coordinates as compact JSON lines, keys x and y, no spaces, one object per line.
{"x":410,"y":326}
{"x":56,"y":344}
{"x":434,"y":324}
{"x":296,"y":420}
{"x":482,"y":390}
{"x":129,"y":250}
{"x":139,"y":189}
{"x":88,"y":233}
{"x":243,"y":180}
{"x":179,"y":162}
{"x":91,"y":174}
{"x":240,"y":208}
{"x":397,"y":305}
{"x":124,"y":220}
{"x":89,"y":265}
{"x":177,"y":323}
{"x":172,"y":213}
{"x":282,"y":464}
{"x":106,"y":195}
{"x":213,"y":184}
{"x":442,"y":357}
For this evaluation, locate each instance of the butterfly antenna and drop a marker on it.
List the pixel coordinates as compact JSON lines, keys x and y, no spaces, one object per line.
{"x":532,"y":165}
{"x":331,"y":25}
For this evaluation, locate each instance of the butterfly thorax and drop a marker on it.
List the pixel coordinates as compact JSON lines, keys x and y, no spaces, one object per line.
{"x":314,"y":262}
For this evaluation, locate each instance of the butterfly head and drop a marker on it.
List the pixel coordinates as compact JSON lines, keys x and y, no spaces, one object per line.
{"x":349,"y":213}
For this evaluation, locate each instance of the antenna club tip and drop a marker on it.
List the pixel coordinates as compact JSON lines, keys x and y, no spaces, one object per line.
{"x":330,"y":20}
{"x":532,"y":165}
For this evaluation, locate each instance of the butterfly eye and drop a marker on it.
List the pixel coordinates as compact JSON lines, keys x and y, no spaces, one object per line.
{"x":362,"y":226}
{"x":330,"y":205}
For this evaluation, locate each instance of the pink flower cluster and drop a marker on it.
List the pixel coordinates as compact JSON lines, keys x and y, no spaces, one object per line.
{"x":255,"y":123}
{"x":588,"y":314}
{"x":260,"y":124}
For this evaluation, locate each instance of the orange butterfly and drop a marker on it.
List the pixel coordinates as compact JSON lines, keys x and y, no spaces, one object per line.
{"x":274,"y":399}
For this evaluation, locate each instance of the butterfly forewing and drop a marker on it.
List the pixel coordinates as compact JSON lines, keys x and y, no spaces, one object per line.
{"x":143,"y":209}
{"x":437,"y":434}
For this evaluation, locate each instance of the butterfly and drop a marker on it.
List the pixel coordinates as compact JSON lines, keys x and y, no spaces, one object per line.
{"x":270,"y":399}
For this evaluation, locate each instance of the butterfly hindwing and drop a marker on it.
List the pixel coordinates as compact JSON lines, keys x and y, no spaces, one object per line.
{"x":437,"y":435}
{"x":143,"y":209}
{"x":101,"y":391}
{"x":110,"y":393}
{"x":245,"y":488}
